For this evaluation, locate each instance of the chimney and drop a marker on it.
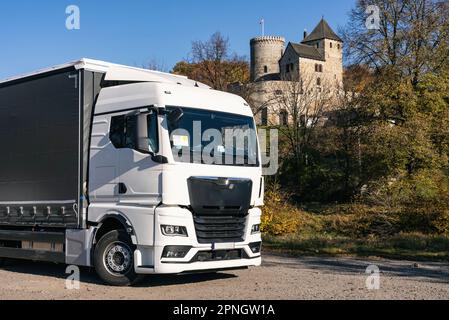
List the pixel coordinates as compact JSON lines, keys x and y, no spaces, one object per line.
{"x":305,"y":34}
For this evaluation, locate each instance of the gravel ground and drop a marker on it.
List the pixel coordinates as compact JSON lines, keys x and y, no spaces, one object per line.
{"x":279,"y":278}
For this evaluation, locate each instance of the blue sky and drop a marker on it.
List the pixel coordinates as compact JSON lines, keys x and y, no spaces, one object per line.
{"x":33,"y":33}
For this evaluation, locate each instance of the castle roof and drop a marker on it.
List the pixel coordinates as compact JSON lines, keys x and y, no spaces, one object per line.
{"x":306,"y":51}
{"x":322,"y":31}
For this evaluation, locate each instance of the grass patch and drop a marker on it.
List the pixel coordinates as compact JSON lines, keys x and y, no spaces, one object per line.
{"x":417,"y":233}
{"x":405,"y":246}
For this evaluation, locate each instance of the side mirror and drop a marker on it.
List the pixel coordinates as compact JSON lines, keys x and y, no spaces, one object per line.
{"x":142,"y":140}
{"x":142,"y":133}
{"x":174,"y":116}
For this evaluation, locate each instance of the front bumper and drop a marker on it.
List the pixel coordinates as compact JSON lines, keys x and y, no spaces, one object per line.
{"x":150,"y":259}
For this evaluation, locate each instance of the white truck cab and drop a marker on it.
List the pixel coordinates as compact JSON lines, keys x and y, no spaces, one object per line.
{"x":163,"y":188}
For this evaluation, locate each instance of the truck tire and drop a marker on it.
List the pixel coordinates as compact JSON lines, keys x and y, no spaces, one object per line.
{"x":114,"y":259}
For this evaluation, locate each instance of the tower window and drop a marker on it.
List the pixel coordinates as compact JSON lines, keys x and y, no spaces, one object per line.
{"x":283,"y":118}
{"x":302,"y":120}
{"x":318,"y":45}
{"x":265,"y":69}
{"x":264,"y":120}
{"x":331,"y":45}
{"x":338,"y":46}
{"x":318,"y":81}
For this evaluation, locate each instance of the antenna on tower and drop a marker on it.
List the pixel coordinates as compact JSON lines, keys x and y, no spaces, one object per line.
{"x":262,"y":23}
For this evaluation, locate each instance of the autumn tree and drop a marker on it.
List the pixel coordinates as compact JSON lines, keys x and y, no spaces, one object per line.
{"x":396,"y":68}
{"x":405,"y":142}
{"x":412,"y":36}
{"x":357,"y":78}
{"x":212,"y":63}
{"x":306,"y":105}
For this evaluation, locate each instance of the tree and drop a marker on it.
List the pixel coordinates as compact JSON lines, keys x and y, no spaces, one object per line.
{"x":155,"y":65}
{"x":357,"y":78}
{"x":412,"y":38}
{"x":405,"y":139}
{"x":212,"y":64}
{"x":386,"y":137}
{"x":307,"y":105}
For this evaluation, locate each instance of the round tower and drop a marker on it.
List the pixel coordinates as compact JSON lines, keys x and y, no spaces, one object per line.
{"x":265,"y":55}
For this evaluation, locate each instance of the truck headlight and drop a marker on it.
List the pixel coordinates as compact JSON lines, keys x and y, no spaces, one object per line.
{"x":174,"y":231}
{"x":255,"y":229}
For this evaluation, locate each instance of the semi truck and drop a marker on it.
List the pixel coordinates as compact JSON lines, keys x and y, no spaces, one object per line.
{"x":109,"y":167}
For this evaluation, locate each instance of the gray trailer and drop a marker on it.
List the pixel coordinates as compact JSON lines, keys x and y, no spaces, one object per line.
{"x":45,"y":122}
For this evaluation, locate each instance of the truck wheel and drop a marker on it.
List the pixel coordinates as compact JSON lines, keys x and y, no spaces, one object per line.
{"x":114,"y":259}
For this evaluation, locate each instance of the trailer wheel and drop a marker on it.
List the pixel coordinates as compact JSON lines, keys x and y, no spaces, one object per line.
{"x":114,"y":259}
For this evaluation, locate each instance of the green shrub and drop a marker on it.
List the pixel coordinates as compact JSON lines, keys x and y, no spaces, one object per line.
{"x":441,"y":223}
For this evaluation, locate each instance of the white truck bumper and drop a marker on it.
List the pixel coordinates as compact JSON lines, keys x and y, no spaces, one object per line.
{"x":198,"y":257}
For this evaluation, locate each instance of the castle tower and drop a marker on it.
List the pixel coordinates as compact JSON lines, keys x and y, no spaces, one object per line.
{"x":266,"y":52}
{"x":330,"y":45}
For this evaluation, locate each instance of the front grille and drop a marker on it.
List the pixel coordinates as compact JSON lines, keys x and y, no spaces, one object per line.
{"x":221,"y":255}
{"x":218,"y":229}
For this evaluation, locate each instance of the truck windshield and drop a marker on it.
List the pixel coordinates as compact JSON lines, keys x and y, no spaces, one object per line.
{"x":215,"y":138}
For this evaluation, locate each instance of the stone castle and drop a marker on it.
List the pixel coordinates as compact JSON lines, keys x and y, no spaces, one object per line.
{"x":318,"y":58}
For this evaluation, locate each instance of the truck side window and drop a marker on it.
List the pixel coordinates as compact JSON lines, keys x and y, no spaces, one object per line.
{"x":131,"y":132}
{"x":117,"y":131}
{"x":124,"y":128}
{"x":122,"y":132}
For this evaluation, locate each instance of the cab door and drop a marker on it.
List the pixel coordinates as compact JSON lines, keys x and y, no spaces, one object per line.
{"x":139,"y":177}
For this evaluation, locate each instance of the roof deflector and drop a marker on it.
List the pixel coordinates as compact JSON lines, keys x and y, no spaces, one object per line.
{"x":117,"y":73}
{"x":122,"y":73}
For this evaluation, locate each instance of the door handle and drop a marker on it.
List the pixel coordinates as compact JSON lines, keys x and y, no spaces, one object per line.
{"x":122,"y":189}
